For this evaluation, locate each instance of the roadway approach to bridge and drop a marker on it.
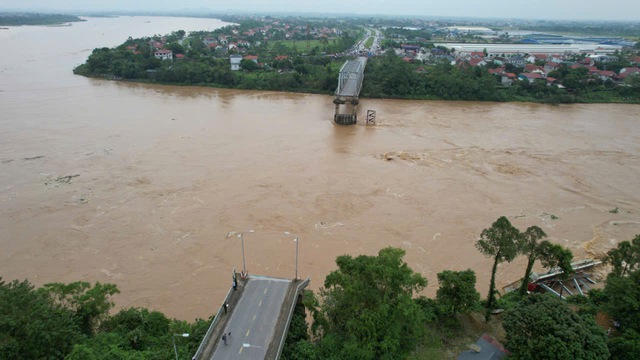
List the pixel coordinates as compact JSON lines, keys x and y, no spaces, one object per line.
{"x":258,"y":318}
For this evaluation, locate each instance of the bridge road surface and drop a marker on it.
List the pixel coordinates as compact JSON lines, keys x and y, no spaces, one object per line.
{"x":350,"y":87}
{"x":253,"y":320}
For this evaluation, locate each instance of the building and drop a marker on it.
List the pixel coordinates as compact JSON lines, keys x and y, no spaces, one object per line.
{"x":235,"y":62}
{"x":253,"y":58}
{"x":164,"y":54}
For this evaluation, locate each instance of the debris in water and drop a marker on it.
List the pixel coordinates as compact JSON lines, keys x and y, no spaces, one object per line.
{"x":60,"y":180}
{"x":322,"y":225}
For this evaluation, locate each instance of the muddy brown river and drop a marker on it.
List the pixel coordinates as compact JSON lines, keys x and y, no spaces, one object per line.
{"x":138,"y":185}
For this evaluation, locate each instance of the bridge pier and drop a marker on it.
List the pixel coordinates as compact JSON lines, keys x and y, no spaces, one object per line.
{"x":346,"y":118}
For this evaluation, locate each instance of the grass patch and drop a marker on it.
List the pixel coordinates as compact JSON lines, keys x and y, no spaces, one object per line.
{"x":369,"y":42}
{"x":300,"y":45}
{"x":615,"y":210}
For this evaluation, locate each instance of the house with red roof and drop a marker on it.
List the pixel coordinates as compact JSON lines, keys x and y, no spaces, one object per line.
{"x":532,"y":68}
{"x":605,"y":75}
{"x":633,"y":71}
{"x":551,"y":66}
{"x":508,"y":78}
{"x":477,"y":62}
{"x":496,"y":71}
{"x":253,"y":58}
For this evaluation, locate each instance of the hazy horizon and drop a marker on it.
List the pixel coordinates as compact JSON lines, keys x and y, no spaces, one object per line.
{"x":623,"y":10}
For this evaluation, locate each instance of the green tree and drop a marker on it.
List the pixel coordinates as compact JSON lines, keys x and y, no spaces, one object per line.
{"x":625,"y":257}
{"x":500,"y":241}
{"x":248,"y":65}
{"x":623,"y":299}
{"x":457,"y":292}
{"x":32,"y":326}
{"x":544,"y":327}
{"x":550,"y":255}
{"x":367,"y":310}
{"x":625,"y":346}
{"x":90,"y":305}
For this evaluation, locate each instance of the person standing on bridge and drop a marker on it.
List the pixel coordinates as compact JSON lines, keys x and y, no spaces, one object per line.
{"x":224,"y":339}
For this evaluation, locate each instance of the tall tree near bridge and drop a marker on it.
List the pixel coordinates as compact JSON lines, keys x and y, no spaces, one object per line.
{"x":500,"y":241}
{"x":550,"y":255}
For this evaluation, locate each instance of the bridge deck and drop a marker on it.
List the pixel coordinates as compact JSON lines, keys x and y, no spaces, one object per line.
{"x":257,"y":321}
{"x":350,"y":88}
{"x":354,"y":69}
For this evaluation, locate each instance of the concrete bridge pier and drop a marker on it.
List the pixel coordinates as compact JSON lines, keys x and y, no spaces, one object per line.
{"x":348,"y":117}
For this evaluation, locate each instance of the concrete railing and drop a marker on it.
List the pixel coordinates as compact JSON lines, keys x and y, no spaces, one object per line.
{"x":293,"y":306}
{"x":212,"y":326}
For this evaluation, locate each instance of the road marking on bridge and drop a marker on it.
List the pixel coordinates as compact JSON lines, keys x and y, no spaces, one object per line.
{"x":240,"y":352}
{"x":260,"y":304}
{"x":254,"y":317}
{"x":248,"y":331}
{"x":265,"y":291}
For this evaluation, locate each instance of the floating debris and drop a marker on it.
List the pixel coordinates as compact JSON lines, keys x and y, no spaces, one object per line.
{"x":60,"y":180}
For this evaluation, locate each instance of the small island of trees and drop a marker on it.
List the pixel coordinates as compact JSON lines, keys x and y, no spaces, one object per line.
{"x":19,"y":19}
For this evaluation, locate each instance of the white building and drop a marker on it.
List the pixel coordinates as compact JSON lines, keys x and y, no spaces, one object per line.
{"x":164,"y":54}
{"x":235,"y":62}
{"x":512,"y":49}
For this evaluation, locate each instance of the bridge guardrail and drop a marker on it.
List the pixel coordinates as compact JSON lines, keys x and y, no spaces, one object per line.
{"x":213,"y":324}
{"x":301,"y":286}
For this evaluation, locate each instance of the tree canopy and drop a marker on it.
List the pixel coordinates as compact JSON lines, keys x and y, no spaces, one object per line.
{"x":500,"y":241}
{"x":550,"y":255}
{"x":32,"y":326}
{"x":457,"y":292}
{"x":625,"y":257}
{"x":366,"y":309}
{"x":544,"y":327}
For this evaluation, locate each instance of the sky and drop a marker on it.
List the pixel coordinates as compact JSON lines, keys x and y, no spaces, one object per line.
{"x":539,"y":9}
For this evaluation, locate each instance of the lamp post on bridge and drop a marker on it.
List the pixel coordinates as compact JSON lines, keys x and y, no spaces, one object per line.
{"x":297,"y":241}
{"x":174,"y":342}
{"x":239,"y":234}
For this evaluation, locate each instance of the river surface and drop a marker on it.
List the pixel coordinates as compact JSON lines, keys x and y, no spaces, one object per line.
{"x":138,"y":184}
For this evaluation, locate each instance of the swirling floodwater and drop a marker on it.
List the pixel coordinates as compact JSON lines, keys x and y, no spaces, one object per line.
{"x":138,"y":184}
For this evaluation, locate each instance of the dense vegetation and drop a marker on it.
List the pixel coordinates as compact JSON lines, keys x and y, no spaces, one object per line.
{"x":72,"y":321}
{"x":17,"y":19}
{"x":386,"y":76}
{"x":389,"y":76}
{"x":286,"y":57}
{"x":367,"y":309}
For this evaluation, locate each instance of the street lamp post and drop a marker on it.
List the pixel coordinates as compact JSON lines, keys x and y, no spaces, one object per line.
{"x":239,"y":234}
{"x":297,"y":241}
{"x":174,"y":342}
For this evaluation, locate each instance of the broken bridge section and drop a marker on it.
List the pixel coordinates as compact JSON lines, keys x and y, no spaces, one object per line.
{"x":257,"y":318}
{"x":348,"y":91}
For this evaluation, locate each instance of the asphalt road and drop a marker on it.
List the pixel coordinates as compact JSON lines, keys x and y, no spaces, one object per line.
{"x":253,"y":320}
